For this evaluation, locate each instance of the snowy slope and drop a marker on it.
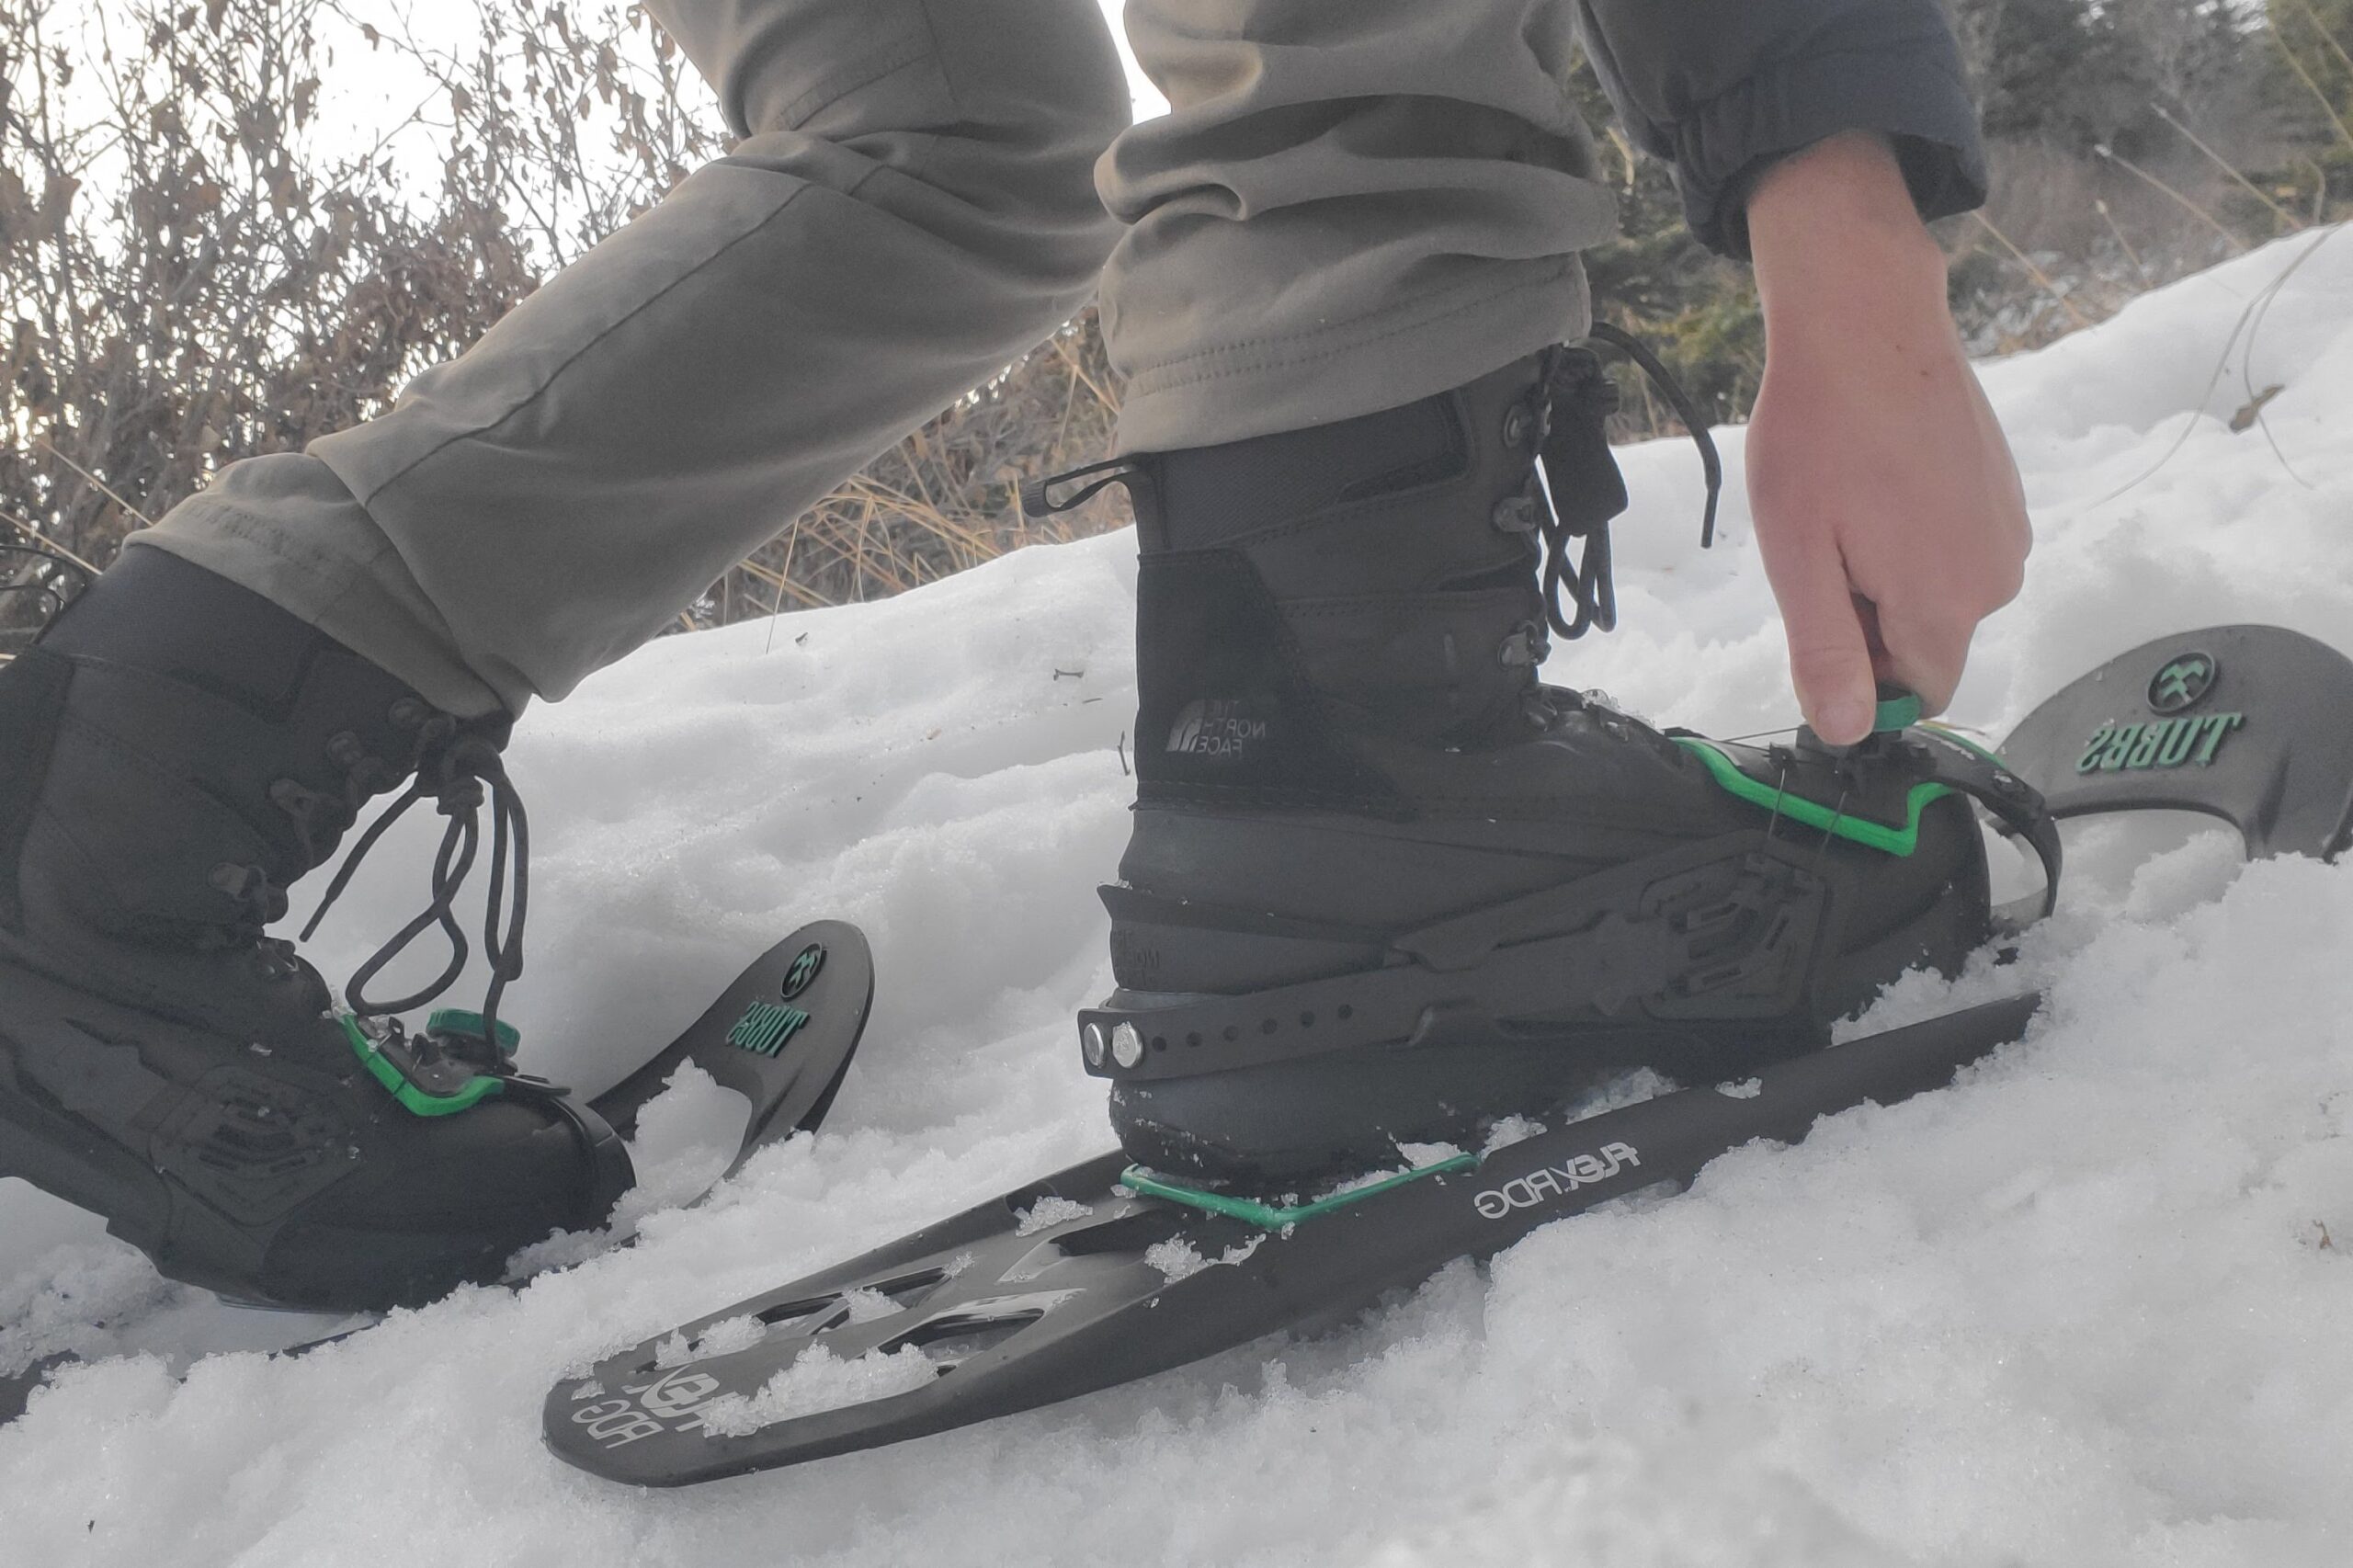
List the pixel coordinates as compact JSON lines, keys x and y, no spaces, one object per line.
{"x":2089,"y":1307}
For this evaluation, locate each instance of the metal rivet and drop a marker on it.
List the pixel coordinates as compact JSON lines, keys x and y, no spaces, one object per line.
{"x":1092,"y":1038}
{"x":1127,"y":1046}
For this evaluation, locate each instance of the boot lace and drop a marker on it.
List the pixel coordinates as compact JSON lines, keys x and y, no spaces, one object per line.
{"x":463,"y":775}
{"x":1575,"y":488}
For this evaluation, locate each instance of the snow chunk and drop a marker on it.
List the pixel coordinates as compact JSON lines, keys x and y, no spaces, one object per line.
{"x":819,"y":1381}
{"x":1175,"y":1258}
{"x":1627,"y":1088}
{"x":723,"y":1338}
{"x":865,"y":1306}
{"x":1179,"y":1259}
{"x":1746,"y":1089}
{"x":1511,"y":1130}
{"x":1048,"y":1213}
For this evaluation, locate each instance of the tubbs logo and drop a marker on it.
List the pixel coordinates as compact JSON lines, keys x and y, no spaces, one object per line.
{"x":2159,"y":744}
{"x":767,"y":1027}
{"x":2183,"y":683}
{"x":1218,"y":728}
{"x":804,"y":969}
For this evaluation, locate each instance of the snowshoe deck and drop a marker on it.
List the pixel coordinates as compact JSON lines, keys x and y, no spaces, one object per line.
{"x":1080,"y":1282}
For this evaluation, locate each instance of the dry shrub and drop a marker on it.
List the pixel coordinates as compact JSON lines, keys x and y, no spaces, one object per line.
{"x":194,"y":269}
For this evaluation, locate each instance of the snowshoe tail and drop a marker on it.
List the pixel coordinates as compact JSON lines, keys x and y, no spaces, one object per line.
{"x":781,"y":1035}
{"x":1082,"y":1281}
{"x":2241,"y":723}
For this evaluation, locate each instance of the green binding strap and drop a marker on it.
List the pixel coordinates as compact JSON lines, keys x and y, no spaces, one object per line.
{"x":1267,"y":1216}
{"x":1813,"y":813}
{"x":473,"y":1026}
{"x":414,"y":1099}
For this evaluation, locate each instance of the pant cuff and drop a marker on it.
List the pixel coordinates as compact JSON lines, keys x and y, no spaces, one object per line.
{"x":337,"y":572}
{"x":1233,"y":392}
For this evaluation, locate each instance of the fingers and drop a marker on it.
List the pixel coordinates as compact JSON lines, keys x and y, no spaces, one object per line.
{"x":1830,"y":651}
{"x":1925,"y":650}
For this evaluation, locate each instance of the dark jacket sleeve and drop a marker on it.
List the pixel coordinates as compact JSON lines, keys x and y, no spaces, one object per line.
{"x":1723,"y":87}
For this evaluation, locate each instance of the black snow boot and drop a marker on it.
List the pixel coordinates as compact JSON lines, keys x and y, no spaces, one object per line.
{"x":174,"y":754}
{"x":1384,"y":887}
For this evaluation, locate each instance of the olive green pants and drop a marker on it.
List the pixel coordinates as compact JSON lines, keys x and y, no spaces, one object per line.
{"x":1351,"y":206}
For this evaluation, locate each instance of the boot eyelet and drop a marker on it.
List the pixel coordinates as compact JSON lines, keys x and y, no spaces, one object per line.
{"x":1514,"y":514}
{"x":1516,"y":427}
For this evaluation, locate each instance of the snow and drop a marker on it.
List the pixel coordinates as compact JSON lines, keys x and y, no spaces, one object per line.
{"x":821,"y":1380}
{"x":2087,"y":1307}
{"x":1048,"y":1213}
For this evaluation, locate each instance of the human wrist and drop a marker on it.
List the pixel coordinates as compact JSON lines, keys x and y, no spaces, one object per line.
{"x":1834,"y":225}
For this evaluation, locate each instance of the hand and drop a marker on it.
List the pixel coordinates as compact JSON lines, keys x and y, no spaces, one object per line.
{"x":1887,"y":507}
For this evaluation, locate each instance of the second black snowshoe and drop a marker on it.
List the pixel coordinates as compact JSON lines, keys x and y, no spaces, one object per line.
{"x":1355,"y":799}
{"x":174,"y":754}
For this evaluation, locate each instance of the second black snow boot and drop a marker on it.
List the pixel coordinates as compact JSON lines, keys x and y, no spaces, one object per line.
{"x":174,"y":754}
{"x":1383,"y":887}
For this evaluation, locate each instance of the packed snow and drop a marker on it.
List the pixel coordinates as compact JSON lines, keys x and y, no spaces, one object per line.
{"x":2090,"y":1306}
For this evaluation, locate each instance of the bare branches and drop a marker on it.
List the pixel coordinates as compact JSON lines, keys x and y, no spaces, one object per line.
{"x":196,"y":269}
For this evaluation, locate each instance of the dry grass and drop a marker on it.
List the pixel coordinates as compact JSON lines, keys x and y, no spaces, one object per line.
{"x":944,"y":499}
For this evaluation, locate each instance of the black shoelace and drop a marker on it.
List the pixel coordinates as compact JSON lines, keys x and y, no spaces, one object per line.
{"x":1584,"y":577}
{"x":462,"y":777}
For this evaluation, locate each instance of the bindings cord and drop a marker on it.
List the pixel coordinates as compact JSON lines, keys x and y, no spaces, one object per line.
{"x":1574,"y":380}
{"x":462,"y":773}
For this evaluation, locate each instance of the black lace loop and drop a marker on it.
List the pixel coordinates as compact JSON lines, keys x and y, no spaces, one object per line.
{"x":461,"y":777}
{"x":1694,"y":424}
{"x":1582,"y":487}
{"x":1037,"y":499}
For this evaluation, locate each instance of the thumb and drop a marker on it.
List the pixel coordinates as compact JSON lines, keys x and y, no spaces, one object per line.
{"x":1830,"y":655}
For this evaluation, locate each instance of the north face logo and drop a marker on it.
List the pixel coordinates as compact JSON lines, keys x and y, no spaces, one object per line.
{"x":1215,"y":728}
